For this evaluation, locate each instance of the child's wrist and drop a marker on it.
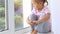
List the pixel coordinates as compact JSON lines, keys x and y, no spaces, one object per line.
{"x":38,"y":21}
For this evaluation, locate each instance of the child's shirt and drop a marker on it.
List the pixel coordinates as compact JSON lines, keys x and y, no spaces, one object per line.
{"x":44,"y":11}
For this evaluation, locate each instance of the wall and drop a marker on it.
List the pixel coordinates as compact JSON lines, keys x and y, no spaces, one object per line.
{"x":55,"y":11}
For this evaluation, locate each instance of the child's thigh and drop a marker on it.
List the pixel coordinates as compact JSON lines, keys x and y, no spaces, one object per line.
{"x":39,"y":27}
{"x":46,"y":27}
{"x":42,"y":28}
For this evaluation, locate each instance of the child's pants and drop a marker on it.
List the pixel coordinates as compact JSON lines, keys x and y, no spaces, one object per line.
{"x":41,"y":28}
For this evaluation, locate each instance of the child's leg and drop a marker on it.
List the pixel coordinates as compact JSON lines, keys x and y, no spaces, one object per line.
{"x":32,"y":17}
{"x":31,"y":31}
{"x":35,"y":32}
{"x":32,"y":27}
{"x":47,"y":27}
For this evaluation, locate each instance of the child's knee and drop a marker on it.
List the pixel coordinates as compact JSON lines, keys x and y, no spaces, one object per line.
{"x":32,"y":17}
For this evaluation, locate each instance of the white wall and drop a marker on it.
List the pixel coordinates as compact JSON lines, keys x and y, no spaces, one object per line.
{"x":55,"y":10}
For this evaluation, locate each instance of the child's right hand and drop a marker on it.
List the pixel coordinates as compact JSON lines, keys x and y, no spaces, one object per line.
{"x":32,"y":23}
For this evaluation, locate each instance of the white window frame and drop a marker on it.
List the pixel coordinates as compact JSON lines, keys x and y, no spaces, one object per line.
{"x":10,"y":18}
{"x":26,"y":8}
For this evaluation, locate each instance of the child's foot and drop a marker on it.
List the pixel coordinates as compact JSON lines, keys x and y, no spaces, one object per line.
{"x":35,"y":32}
{"x":31,"y":32}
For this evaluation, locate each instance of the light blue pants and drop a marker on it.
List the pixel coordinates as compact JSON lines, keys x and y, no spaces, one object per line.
{"x":41,"y":28}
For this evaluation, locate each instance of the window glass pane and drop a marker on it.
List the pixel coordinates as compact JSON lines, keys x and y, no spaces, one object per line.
{"x":22,"y":10}
{"x":18,"y":14}
{"x":3,"y":15}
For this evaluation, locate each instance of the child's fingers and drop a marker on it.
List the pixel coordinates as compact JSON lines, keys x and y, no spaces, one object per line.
{"x":34,"y":22}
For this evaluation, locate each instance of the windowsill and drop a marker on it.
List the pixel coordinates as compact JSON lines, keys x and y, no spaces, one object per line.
{"x":42,"y":33}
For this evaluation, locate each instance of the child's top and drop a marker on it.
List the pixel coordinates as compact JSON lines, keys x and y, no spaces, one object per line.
{"x":44,"y":11}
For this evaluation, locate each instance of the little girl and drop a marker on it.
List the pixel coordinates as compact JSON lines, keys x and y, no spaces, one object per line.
{"x":39,"y":19}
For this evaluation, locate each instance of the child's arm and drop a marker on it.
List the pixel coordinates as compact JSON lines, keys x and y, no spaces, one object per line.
{"x":45,"y":18}
{"x":29,"y":21}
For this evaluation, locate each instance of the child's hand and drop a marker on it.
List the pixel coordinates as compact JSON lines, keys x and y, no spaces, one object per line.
{"x":35,"y":22}
{"x":32,"y":23}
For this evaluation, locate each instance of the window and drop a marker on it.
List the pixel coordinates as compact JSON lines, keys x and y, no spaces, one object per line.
{"x":18,"y":14}
{"x":3,"y":15}
{"x":21,"y":13}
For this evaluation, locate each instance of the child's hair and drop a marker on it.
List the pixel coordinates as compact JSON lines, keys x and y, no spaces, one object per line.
{"x":37,"y":1}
